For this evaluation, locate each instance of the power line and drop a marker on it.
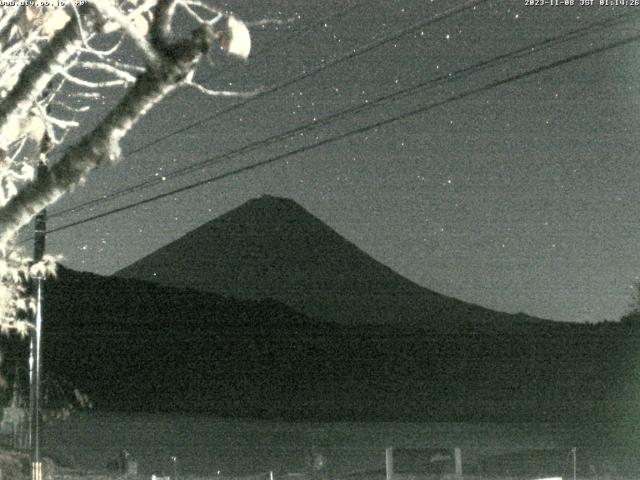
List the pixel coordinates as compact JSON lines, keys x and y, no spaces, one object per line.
{"x":360,"y":130}
{"x":357,"y":52}
{"x":473,"y":69}
{"x":337,"y":61}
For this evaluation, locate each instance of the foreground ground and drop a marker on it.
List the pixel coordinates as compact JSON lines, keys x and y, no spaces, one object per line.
{"x":15,"y":465}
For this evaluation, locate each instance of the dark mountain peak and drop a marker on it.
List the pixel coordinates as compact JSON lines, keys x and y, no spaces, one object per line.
{"x":269,"y":210}
{"x":272,"y":201}
{"x":271,"y":247}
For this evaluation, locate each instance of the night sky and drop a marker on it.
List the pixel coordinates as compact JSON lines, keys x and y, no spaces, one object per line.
{"x":521,"y":198}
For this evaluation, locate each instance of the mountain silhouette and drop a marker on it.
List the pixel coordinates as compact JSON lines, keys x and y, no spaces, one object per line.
{"x":272,"y":247}
{"x":137,"y":346}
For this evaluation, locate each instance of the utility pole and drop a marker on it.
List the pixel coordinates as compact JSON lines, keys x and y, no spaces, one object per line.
{"x":35,"y":357}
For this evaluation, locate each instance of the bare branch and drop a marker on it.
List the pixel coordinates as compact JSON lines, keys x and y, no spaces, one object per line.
{"x":160,"y":29}
{"x":33,"y":79}
{"x":90,"y":84}
{"x":109,"y":10}
{"x":217,"y":16}
{"x":142,"y":8}
{"x":103,"y":53}
{"x":270,"y":21}
{"x":41,"y":50}
{"x":102,"y":145}
{"x":15,"y":155}
{"x":9,"y":21}
{"x":71,"y":109}
{"x":63,"y":124}
{"x":87,"y":95}
{"x":221,"y":93}
{"x":123,"y":66}
{"x":109,"y":68}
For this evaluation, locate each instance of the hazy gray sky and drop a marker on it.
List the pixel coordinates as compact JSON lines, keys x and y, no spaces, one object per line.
{"x":522,"y":198}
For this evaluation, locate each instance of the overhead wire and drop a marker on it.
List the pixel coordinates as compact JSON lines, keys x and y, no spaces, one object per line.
{"x":462,"y":73}
{"x":304,"y":75}
{"x":357,"y":52}
{"x":363,"y":129}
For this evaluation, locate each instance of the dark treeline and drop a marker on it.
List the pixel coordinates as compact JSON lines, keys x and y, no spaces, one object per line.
{"x":140,"y":347}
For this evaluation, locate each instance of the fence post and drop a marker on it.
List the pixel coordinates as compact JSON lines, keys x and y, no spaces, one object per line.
{"x":389,"y":462}
{"x":458,"y":459}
